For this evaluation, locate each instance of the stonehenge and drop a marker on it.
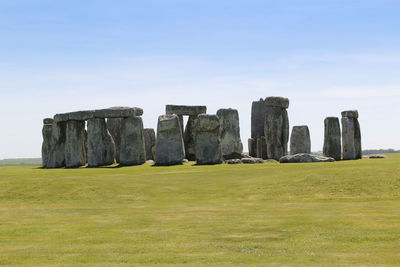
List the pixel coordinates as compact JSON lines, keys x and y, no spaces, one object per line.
{"x":351,"y":135}
{"x":232,"y":147}
{"x":332,"y":138}
{"x":103,"y":137}
{"x":170,"y":149}
{"x":207,"y":140}
{"x":188,"y":131}
{"x":300,"y":141}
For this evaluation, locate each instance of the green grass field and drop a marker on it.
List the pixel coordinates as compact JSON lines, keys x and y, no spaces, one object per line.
{"x":341,"y":213}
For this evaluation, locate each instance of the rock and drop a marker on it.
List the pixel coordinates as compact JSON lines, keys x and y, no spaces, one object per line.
{"x":332,"y":139}
{"x":185,"y":110}
{"x":132,"y":151}
{"x":150,"y":161}
{"x":101,"y":146}
{"x":276,"y":101}
{"x":114,"y":127}
{"x":118,"y":112}
{"x":270,"y":160}
{"x":75,"y":150}
{"x":350,"y":114}
{"x":300,"y":141}
{"x":262,"y":148}
{"x":207,"y":141}
{"x":149,"y":142}
{"x":169,"y":142}
{"x":252,"y":160}
{"x":304,"y":158}
{"x":233,"y":161}
{"x":376,"y":156}
{"x":185,"y":161}
{"x":61,"y":117}
{"x":351,"y":138}
{"x":258,"y":109}
{"x":46,"y":145}
{"x":276,"y":131}
{"x":252,"y":145}
{"x":81,"y":115}
{"x":231,"y":143}
{"x":188,"y":138}
{"x":48,"y":121}
{"x":357,"y":139}
{"x":56,"y":153}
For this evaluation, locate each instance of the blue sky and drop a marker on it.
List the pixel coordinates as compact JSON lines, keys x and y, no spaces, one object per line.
{"x":326,"y":56}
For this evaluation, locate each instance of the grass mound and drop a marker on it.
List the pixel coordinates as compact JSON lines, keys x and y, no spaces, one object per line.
{"x":340,"y":213}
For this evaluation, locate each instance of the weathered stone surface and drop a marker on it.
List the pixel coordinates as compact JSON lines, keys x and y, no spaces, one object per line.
{"x":101,"y":146}
{"x":304,"y":158}
{"x":81,"y":115}
{"x":75,"y":150}
{"x":132,"y":151}
{"x":258,"y":109}
{"x":277,"y":101}
{"x":252,"y":160}
{"x":233,"y":161}
{"x":114,"y":127}
{"x":169,"y":142}
{"x":207,"y":139}
{"x":276,"y":131}
{"x":351,"y":138}
{"x":149,"y":142}
{"x":48,"y":121}
{"x":231,"y":143}
{"x":189,"y":138}
{"x":350,"y":114}
{"x":56,"y":154}
{"x":252,"y":145}
{"x":185,"y":110}
{"x":262,"y":148}
{"x":332,"y":139}
{"x":300,"y":141}
{"x":60,"y":117}
{"x":118,"y":112}
{"x":46,"y":145}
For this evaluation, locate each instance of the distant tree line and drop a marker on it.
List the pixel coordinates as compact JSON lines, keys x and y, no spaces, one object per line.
{"x":380,"y":151}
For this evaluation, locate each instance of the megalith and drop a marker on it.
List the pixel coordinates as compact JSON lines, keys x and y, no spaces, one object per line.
{"x":258,"y":109}
{"x":188,"y":131}
{"x":56,"y":155}
{"x":149,"y":142}
{"x":114,"y":127}
{"x":207,"y":140}
{"x":351,"y":135}
{"x":132,"y":151}
{"x":170,"y":148}
{"x":75,"y":150}
{"x":276,"y":126}
{"x":332,"y":138}
{"x":101,"y":146}
{"x":46,"y":144}
{"x":231,"y":143}
{"x":300,"y":141}
{"x":261,"y":148}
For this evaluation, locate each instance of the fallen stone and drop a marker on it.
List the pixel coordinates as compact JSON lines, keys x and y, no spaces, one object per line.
{"x":150,"y":161}
{"x":75,"y":149}
{"x":207,"y":140}
{"x":231,"y":143}
{"x":252,"y":160}
{"x":149,"y":142}
{"x":276,"y":101}
{"x":233,"y":161}
{"x":114,"y":127}
{"x":300,"y":141}
{"x":350,"y":114}
{"x":169,"y":142}
{"x":132,"y":151}
{"x":101,"y":146}
{"x":332,"y":138}
{"x":270,"y":161}
{"x":376,"y":156}
{"x":304,"y":158}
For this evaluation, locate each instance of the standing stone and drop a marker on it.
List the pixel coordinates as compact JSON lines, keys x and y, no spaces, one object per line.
{"x":170,"y":149}
{"x":56,"y":155}
{"x":114,"y":127}
{"x":75,"y":151}
{"x":188,"y":138}
{"x":132,"y":151}
{"x":351,"y":135}
{"x":46,"y":145}
{"x":276,"y":127}
{"x":258,"y":109}
{"x":262,"y":148}
{"x":149,"y":142}
{"x":300,"y":141}
{"x":252,"y":147}
{"x":207,"y":141}
{"x":332,"y":138}
{"x":232,"y":147}
{"x":101,"y":146}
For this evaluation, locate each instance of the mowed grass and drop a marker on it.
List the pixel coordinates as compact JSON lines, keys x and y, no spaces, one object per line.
{"x":341,"y":213}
